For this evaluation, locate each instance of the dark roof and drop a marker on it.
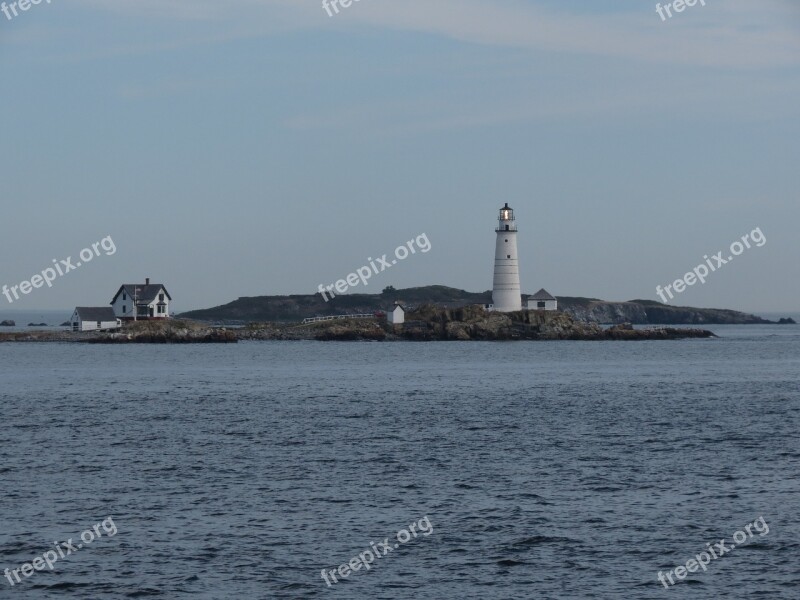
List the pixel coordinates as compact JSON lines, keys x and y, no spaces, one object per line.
{"x":542,"y":294}
{"x":96,"y":313}
{"x":146,"y":293}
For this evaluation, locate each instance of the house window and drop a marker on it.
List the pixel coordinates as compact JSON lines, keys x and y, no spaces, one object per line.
{"x":540,"y":305}
{"x":124,"y":296}
{"x":99,"y":324}
{"x":161,"y":309}
{"x":508,"y":256}
{"x":161,"y":297}
{"x":124,"y":309}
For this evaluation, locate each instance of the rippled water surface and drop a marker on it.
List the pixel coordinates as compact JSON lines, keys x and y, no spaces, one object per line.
{"x":547,"y":470}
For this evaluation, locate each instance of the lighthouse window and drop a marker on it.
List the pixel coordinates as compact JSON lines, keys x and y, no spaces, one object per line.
{"x":506,"y":227}
{"x":506,"y":241}
{"x":508,"y":256}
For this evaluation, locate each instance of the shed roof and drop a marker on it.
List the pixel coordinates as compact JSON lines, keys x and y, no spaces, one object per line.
{"x":96,"y":313}
{"x":542,"y":294}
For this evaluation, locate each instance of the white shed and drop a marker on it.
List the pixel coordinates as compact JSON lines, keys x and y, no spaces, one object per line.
{"x":542,"y":300}
{"x":396,"y":315}
{"x":93,"y":318}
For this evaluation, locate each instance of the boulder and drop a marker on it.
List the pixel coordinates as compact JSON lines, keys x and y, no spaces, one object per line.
{"x":457,"y":331}
{"x":8,"y":323}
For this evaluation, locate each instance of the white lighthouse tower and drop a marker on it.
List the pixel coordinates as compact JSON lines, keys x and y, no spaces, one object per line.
{"x":506,"y":294}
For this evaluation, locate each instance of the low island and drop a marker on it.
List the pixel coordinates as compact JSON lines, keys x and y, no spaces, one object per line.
{"x":432,"y":313}
{"x":426,"y":323}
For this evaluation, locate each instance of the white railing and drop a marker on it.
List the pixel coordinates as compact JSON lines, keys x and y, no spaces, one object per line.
{"x":333,"y":317}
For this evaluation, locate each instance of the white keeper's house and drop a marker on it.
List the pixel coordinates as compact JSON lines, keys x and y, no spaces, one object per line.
{"x":150,"y":300}
{"x":94,"y":318}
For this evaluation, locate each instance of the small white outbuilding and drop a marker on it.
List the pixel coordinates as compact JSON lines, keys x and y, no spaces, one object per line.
{"x":396,"y":315}
{"x":542,"y":300}
{"x":93,"y":318}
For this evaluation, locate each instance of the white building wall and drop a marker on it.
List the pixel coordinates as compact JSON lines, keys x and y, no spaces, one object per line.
{"x":155,"y":302}
{"x":119,"y":303}
{"x":506,"y":293}
{"x":91,"y":325}
{"x":396,"y":316}
{"x":548,"y":305}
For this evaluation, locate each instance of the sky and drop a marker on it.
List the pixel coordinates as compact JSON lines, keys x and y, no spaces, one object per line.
{"x":262,"y":147}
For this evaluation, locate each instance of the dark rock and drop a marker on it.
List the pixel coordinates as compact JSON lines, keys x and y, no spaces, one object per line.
{"x":37,"y":324}
{"x":165,"y":332}
{"x":8,"y":323}
{"x":656,"y":333}
{"x":787,"y":321}
{"x":351,"y":331}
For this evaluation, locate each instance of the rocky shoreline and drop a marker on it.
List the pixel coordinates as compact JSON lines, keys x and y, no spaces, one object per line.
{"x":143,"y":332}
{"x":428,"y":323}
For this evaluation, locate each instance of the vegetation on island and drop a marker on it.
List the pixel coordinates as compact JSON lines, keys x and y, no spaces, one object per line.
{"x":298,"y":307}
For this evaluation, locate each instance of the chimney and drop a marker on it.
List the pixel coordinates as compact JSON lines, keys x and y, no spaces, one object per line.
{"x":147,"y":281}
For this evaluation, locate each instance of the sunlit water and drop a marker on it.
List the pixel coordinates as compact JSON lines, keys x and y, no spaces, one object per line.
{"x":547,"y":470}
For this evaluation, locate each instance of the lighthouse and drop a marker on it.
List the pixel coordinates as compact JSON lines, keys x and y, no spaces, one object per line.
{"x":506,"y":294}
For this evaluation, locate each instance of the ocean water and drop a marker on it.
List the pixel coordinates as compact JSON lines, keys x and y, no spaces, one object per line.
{"x":53,"y":318}
{"x":545,"y":469}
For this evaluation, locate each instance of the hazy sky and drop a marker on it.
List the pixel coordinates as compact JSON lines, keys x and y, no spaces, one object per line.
{"x":248,"y":147}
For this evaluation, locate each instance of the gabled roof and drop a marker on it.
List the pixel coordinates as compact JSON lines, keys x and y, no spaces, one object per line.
{"x":96,"y":313}
{"x":542,"y":294}
{"x":145,"y":294}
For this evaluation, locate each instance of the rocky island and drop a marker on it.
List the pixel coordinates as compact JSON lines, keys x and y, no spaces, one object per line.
{"x":433,"y":313}
{"x":433,"y":323}
{"x":427,"y":323}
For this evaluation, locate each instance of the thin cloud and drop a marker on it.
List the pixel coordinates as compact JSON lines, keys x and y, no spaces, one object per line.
{"x":734,"y":33}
